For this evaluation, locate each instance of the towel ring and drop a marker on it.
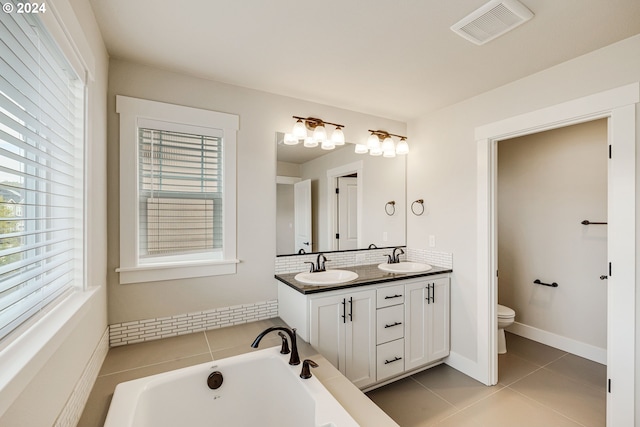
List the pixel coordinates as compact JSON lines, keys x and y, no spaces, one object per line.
{"x":414,"y":210}
{"x":390,"y":207}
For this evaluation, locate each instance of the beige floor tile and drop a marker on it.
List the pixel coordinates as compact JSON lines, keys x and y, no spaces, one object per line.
{"x":511,"y":368}
{"x":97,"y":406}
{"x":532,"y":351}
{"x":152,"y":352}
{"x":507,"y":408}
{"x":453,"y":386}
{"x":585,"y":404}
{"x":239,"y":335}
{"x":410,"y":404}
{"x":582,"y":370}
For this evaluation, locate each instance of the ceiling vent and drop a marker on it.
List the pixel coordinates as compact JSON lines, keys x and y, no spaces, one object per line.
{"x":492,"y":20}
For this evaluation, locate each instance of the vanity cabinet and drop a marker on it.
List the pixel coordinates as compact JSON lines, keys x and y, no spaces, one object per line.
{"x":342,"y":329}
{"x":374,"y":333}
{"x":426,"y":321}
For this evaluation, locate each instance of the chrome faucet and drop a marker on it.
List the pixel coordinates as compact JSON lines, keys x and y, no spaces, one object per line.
{"x":319,"y":266}
{"x":395,"y":258}
{"x":295,"y":358}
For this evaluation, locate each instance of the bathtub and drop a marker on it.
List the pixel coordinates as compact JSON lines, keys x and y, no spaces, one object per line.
{"x":258,"y":389}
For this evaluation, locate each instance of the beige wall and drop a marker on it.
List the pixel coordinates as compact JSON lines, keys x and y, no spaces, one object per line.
{"x":261,"y":115}
{"x":37,"y":394}
{"x":547,"y":184}
{"x":442,"y":167}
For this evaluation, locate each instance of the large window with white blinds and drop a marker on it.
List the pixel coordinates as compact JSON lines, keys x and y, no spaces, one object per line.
{"x":41,"y":171}
{"x":177,"y":191}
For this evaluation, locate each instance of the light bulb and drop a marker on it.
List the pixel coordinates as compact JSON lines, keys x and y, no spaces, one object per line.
{"x":375,"y":151}
{"x":289,"y":139}
{"x":337,"y":137}
{"x":402,"y":147}
{"x":388,"y":144}
{"x":319,"y":134}
{"x":373,"y":141}
{"x":327,"y":144}
{"x":361,"y":149}
{"x":310,"y":142}
{"x":389,"y":153}
{"x":299,"y":130}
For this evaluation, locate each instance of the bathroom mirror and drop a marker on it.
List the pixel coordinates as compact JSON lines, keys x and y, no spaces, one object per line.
{"x":311,"y":215}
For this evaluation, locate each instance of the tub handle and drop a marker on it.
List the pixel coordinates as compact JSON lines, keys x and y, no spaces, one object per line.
{"x":306,"y":372}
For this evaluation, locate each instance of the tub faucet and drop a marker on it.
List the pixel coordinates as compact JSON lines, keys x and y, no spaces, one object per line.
{"x":295,"y":358}
{"x":395,"y":258}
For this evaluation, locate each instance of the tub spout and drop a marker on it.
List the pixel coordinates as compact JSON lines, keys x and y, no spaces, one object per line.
{"x":295,"y":358}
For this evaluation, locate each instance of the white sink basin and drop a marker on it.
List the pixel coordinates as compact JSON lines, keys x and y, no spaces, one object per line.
{"x":405,"y":267}
{"x":329,"y":277}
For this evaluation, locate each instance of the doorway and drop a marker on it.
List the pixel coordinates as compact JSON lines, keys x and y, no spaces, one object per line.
{"x":347,"y":212}
{"x":355,"y":171}
{"x":619,"y":107}
{"x":551,"y":265}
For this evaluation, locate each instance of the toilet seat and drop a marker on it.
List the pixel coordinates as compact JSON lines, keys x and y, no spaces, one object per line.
{"x":505,"y":312}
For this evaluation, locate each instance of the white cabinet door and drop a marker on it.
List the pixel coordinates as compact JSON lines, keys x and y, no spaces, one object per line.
{"x":440,"y":313}
{"x":426,"y":322}
{"x":361,"y":338}
{"x":343,"y":331}
{"x":327,"y":328}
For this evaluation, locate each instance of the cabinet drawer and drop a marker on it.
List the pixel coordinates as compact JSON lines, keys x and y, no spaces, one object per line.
{"x":390,"y":295}
{"x":390,"y":359}
{"x":390,"y":323}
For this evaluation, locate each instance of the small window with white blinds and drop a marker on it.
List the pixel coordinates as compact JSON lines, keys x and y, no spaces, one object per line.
{"x":180,"y":193}
{"x":41,"y":171}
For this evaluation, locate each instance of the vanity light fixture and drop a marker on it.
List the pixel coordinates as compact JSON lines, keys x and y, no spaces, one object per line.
{"x":318,"y":136}
{"x":386,"y":148}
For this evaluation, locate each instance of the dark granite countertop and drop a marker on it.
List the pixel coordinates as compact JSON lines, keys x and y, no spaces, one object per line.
{"x":367,"y":275}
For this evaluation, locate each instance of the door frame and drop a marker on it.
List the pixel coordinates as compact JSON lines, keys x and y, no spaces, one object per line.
{"x":619,"y":107}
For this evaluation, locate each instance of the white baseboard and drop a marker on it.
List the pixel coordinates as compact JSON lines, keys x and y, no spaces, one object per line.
{"x":569,"y":345}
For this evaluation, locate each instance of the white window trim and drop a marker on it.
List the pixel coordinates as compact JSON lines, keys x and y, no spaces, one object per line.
{"x":133,"y":112}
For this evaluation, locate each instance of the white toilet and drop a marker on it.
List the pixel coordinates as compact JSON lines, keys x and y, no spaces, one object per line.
{"x":506,"y":317}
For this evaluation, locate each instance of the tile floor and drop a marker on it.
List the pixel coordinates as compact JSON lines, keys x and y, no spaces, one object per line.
{"x":538,"y":385}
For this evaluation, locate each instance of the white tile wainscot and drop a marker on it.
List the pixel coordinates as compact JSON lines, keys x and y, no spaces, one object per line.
{"x":182,"y":324}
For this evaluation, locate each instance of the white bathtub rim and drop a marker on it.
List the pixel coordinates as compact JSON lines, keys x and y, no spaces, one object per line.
{"x":329,"y":412}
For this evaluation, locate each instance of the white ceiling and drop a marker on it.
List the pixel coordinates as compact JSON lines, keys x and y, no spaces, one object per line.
{"x":393,"y":58}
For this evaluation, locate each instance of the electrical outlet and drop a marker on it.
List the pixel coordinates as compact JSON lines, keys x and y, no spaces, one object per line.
{"x":361,"y":258}
{"x":432,"y":241}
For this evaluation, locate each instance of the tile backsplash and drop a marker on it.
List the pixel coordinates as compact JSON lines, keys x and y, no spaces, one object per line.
{"x":296,"y":263}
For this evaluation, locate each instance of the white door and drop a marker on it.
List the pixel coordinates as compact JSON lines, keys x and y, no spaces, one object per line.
{"x":347,"y":213}
{"x":302,"y":215}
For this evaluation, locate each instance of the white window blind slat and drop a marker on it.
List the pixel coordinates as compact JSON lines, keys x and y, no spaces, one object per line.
{"x":49,"y":107}
{"x":13,"y":95}
{"x":37,"y":51}
{"x":14,"y":126}
{"x":41,"y":171}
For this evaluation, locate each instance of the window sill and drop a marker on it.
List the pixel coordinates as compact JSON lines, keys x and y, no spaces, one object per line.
{"x":23,"y":358}
{"x":172,"y":271}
